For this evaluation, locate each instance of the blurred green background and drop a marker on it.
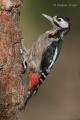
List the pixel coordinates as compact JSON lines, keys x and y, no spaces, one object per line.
{"x":59,"y":97}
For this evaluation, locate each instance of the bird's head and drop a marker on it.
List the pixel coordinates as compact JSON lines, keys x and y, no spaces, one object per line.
{"x":60,"y":22}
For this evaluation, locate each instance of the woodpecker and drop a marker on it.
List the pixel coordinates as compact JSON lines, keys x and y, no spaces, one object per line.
{"x":45,"y":52}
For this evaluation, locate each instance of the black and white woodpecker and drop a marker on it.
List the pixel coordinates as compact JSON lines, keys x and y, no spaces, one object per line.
{"x":45,"y":52}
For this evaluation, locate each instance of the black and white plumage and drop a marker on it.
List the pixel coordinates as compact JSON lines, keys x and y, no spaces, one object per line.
{"x":45,"y":52}
{"x":46,"y":49}
{"x":49,"y":57}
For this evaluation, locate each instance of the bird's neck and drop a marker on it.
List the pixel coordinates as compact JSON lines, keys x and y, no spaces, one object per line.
{"x":59,"y":34}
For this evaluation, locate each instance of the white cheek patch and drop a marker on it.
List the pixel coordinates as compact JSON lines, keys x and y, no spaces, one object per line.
{"x":64,"y":24}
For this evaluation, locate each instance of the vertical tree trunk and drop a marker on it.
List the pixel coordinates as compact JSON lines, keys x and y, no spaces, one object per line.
{"x":11,"y":88}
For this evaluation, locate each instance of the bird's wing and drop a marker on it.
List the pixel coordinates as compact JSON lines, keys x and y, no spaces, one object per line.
{"x":49,"y":57}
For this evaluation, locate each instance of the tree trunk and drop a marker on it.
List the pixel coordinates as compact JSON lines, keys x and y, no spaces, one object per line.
{"x":11,"y":87}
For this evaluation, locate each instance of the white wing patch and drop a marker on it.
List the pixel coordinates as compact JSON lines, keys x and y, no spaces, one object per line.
{"x":54,"y":58}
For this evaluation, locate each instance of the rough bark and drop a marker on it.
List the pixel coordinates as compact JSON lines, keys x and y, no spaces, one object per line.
{"x":11,"y":87}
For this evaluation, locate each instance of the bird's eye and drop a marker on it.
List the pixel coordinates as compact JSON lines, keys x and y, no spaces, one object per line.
{"x":59,"y":19}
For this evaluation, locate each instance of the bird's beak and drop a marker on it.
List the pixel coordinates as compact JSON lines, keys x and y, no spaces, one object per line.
{"x":47,"y":17}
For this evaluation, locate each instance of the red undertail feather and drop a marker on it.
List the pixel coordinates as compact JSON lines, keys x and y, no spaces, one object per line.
{"x":34,"y":79}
